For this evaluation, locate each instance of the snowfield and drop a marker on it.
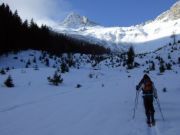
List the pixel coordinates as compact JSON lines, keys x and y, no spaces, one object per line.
{"x":144,"y":38}
{"x":102,"y":106}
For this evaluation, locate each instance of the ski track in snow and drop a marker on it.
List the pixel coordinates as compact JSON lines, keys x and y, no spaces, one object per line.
{"x":157,"y":130}
{"x":153,"y":130}
{"x":10,"y":108}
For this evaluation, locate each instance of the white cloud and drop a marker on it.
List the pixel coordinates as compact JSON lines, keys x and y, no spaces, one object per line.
{"x":42,"y":11}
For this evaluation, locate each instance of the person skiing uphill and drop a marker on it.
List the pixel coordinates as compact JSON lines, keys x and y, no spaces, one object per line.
{"x":149,"y":92}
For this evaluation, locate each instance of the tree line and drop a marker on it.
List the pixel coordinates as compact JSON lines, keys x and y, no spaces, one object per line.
{"x":17,"y":35}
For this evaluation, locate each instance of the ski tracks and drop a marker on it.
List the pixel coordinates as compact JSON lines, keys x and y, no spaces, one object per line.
{"x":157,"y":130}
{"x":153,"y":130}
{"x":43,"y":99}
{"x":143,"y":129}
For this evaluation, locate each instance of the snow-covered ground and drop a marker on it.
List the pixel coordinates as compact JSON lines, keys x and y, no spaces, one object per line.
{"x":102,"y":106}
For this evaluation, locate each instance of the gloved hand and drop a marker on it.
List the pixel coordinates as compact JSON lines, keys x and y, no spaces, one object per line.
{"x":137,"y":87}
{"x":155,"y":97}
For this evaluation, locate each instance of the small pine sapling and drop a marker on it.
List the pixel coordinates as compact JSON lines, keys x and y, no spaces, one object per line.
{"x":56,"y":79}
{"x":164,"y":90}
{"x":9,"y":82}
{"x":78,"y":86}
{"x":2,"y":71}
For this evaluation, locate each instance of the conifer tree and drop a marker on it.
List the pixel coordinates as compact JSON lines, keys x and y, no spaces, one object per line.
{"x":168,"y":66}
{"x":161,"y":68}
{"x":130,"y":58}
{"x":56,"y":79}
{"x":152,"y":66}
{"x":2,"y":71}
{"x":9,"y":82}
{"x":64,"y":68}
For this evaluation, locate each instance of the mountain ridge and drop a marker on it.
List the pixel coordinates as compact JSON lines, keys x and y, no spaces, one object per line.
{"x":172,"y":14}
{"x":155,"y":33}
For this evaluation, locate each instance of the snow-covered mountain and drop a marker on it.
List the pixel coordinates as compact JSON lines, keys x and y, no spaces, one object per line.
{"x":145,"y":37}
{"x":73,"y":20}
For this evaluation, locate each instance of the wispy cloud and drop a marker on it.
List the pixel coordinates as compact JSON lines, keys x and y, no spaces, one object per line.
{"x":42,"y":11}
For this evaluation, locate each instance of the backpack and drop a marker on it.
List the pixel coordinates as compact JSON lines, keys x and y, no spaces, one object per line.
{"x":148,"y":86}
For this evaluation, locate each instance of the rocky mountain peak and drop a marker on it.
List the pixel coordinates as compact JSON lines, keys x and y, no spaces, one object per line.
{"x":74,"y":20}
{"x":172,"y":14}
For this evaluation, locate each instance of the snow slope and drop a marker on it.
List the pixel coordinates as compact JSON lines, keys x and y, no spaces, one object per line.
{"x":40,"y":109}
{"x":102,"y":106}
{"x":145,"y":37}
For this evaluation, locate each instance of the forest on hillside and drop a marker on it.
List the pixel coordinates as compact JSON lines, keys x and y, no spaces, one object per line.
{"x":17,"y":35}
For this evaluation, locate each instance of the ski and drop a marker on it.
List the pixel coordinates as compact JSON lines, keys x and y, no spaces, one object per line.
{"x":151,"y":124}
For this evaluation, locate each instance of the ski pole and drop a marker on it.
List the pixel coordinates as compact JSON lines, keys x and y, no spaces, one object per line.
{"x":137,"y":99}
{"x":136,"y":102}
{"x":157,"y":100}
{"x":134,"y":106}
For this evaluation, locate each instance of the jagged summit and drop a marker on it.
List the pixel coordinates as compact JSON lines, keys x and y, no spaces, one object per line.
{"x":172,"y":14}
{"x":74,"y":20}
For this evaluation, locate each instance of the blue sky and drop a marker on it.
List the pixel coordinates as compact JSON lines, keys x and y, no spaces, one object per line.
{"x":121,"y":12}
{"x":104,"y":12}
